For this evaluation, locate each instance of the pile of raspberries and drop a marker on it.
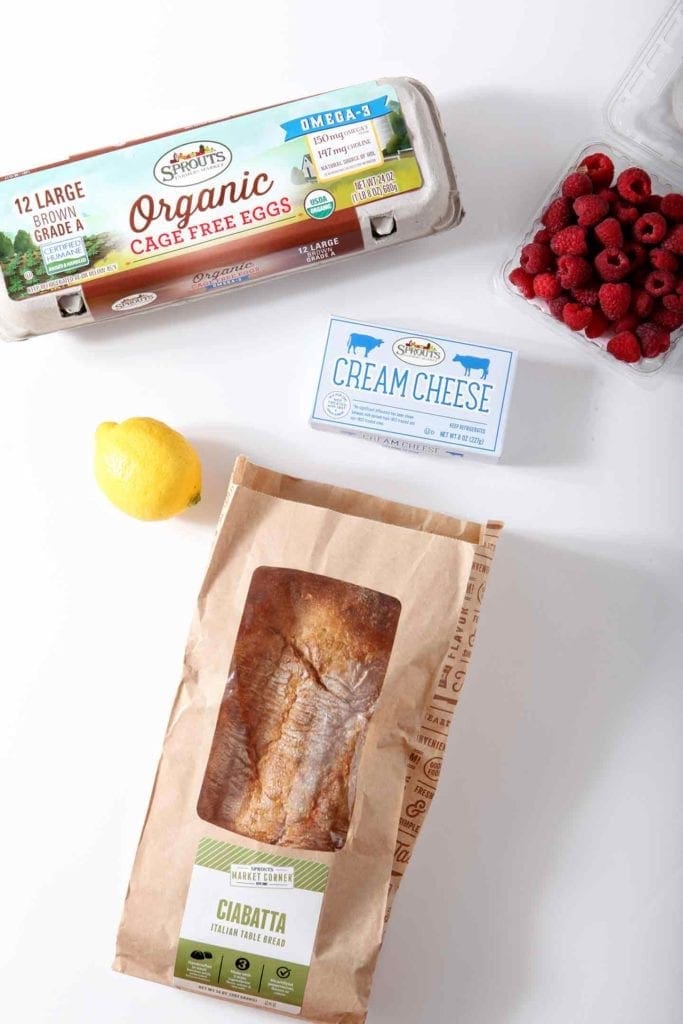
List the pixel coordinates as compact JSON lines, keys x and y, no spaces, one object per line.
{"x":608,"y":259}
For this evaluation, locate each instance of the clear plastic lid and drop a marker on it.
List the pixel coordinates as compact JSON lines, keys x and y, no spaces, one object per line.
{"x":647,"y":105}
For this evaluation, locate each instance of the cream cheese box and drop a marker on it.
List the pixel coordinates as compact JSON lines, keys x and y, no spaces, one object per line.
{"x":415,"y":392}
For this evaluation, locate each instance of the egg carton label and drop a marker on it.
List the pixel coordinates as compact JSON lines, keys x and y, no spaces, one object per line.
{"x":413,"y":391}
{"x":173,"y":200}
{"x":249,"y":925}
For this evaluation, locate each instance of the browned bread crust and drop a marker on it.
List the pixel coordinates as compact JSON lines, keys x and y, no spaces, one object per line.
{"x":307,"y":669}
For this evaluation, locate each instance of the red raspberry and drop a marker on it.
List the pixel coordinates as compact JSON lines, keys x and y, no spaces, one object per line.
{"x":599,"y":169}
{"x":542,"y":237}
{"x":609,"y":233}
{"x":627,"y":323}
{"x":652,"y":204}
{"x":557,"y":305}
{"x":642,"y":303}
{"x":558,"y":215}
{"x":570,"y":241}
{"x":610,"y":194}
{"x":536,"y":258}
{"x":637,"y":254}
{"x":546,"y":286}
{"x":587,"y":296}
{"x":624,"y":346}
{"x":615,"y":300}
{"x":598,"y":324}
{"x":573,"y":271}
{"x":577,"y":317}
{"x":674,"y":240}
{"x":576,"y":184}
{"x":612,"y":264}
{"x":660,"y":282}
{"x":663,"y":260}
{"x":672,"y":206}
{"x":523,"y":281}
{"x":673,"y":302}
{"x":653,"y":340}
{"x":634,"y":185}
{"x":590,"y":210}
{"x":650,"y":228}
{"x":625,"y":213}
{"x":669,"y":319}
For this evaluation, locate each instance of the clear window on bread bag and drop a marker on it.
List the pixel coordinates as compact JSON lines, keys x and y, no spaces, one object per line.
{"x":306,"y":673}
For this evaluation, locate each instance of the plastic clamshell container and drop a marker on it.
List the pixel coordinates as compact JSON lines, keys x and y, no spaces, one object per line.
{"x":205,"y":209}
{"x":643,"y":129}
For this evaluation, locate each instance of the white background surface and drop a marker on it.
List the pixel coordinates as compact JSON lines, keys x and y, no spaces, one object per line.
{"x":559,"y":810}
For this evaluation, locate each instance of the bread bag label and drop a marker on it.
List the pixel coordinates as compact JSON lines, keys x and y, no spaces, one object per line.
{"x":325,"y":660}
{"x":207,"y":207}
{"x":249,"y":925}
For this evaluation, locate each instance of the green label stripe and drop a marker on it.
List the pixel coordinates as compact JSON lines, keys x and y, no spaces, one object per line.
{"x":308,"y":874}
{"x":70,"y":263}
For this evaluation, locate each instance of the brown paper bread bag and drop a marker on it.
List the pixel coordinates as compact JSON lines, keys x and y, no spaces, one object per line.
{"x":325,"y":660}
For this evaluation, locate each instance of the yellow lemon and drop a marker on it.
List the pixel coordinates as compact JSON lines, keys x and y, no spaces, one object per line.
{"x":147,"y":469}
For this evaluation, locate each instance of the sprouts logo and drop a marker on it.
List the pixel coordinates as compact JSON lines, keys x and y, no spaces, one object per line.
{"x":418,"y":352}
{"x":134,"y":301}
{"x":261,"y":876}
{"x":192,"y":164}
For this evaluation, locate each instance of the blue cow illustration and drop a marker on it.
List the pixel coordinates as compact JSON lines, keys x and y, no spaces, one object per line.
{"x":364,"y":341}
{"x":473,"y":363}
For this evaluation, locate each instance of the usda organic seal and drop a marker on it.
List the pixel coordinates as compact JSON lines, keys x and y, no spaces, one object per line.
{"x":319,"y":204}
